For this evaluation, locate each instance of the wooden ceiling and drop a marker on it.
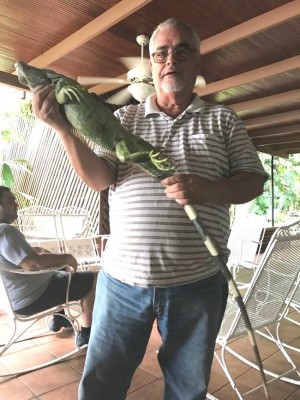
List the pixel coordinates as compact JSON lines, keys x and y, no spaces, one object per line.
{"x":250,"y":48}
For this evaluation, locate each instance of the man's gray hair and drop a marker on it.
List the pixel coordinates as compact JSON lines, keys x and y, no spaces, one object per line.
{"x":174,"y":23}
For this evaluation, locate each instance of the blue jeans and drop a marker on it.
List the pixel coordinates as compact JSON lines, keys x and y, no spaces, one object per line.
{"x":188,"y":320}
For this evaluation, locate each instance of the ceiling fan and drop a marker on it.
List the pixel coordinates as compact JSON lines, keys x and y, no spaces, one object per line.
{"x":139,"y":78}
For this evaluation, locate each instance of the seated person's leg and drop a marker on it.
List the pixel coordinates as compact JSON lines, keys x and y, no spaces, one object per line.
{"x":59,"y":321}
{"x":82,"y":287}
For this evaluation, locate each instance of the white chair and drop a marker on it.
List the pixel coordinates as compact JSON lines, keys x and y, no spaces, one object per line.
{"x":20,"y":329}
{"x":85,"y":251}
{"x":38,"y":222}
{"x":74,"y":222}
{"x":292,"y":314}
{"x":54,"y":246}
{"x":244,"y":243}
{"x":267,"y":300}
{"x":295,"y":304}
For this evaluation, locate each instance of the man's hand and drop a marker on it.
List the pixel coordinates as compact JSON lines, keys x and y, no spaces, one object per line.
{"x":193,"y":189}
{"x":189,"y":189}
{"x":71,"y":262}
{"x":46,"y":107}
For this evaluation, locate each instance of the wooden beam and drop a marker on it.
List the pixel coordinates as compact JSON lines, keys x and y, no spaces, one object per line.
{"x":268,"y":101}
{"x":290,"y":116}
{"x":275,"y":153}
{"x":100,"y":24}
{"x":285,"y":148}
{"x":294,"y":151}
{"x":251,"y":27}
{"x":12,"y":80}
{"x":277,"y":139}
{"x":275,"y":131}
{"x":250,"y":76}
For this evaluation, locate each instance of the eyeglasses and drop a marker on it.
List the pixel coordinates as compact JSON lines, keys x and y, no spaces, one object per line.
{"x":180,"y":54}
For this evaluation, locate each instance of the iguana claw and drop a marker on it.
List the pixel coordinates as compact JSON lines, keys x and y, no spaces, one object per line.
{"x":162,"y":164}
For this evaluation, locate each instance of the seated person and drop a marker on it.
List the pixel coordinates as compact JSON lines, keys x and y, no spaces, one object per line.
{"x":30,"y":294}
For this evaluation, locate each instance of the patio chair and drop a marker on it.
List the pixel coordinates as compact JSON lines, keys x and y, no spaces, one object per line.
{"x":295,"y":305}
{"x":85,"y":251}
{"x":74,"y":222}
{"x":267,"y":300}
{"x":38,"y":222}
{"x":54,"y":246}
{"x":20,"y":329}
{"x":244,"y":243}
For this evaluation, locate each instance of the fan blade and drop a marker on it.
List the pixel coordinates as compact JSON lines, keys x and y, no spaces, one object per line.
{"x":200,"y":81}
{"x":136,"y":62}
{"x":96,"y":80}
{"x":120,"y":98}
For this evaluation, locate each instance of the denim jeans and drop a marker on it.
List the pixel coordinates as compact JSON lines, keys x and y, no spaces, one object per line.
{"x":188,"y":319}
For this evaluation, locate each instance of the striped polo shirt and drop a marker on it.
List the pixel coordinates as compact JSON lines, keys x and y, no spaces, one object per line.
{"x":152,"y":241}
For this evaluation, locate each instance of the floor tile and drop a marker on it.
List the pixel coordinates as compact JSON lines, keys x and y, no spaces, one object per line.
{"x":150,"y":364}
{"x":148,"y":392}
{"x":50,"y":378}
{"x":141,"y":378}
{"x":67,"y":392}
{"x":14,"y":389}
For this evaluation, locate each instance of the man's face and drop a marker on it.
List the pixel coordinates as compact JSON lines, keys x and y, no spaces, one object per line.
{"x":182,"y":65}
{"x":8,"y":207}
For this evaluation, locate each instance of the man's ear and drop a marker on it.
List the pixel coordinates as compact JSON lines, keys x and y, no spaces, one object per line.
{"x":150,"y":64}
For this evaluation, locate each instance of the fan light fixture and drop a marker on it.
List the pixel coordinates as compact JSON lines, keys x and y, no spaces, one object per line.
{"x":140,"y":91}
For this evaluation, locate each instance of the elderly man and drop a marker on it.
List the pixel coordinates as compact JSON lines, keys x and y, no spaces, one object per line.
{"x":155,"y":266}
{"x":34,"y":293}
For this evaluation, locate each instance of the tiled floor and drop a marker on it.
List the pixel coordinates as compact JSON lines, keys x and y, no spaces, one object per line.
{"x":60,"y":382}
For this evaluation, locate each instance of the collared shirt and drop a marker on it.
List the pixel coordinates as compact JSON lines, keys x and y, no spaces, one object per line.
{"x":152,"y":242}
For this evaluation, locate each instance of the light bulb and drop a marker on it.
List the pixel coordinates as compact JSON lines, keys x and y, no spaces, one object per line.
{"x":140,"y":91}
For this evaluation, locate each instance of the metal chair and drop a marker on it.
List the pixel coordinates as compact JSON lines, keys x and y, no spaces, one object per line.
{"x":54,"y":246}
{"x":267,"y":300}
{"x":295,"y":304}
{"x":21,"y":326}
{"x":38,"y":222}
{"x":74,"y":222}
{"x":85,"y":251}
{"x":244,"y":243}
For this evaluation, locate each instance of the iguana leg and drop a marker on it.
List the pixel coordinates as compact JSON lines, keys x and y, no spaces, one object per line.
{"x":66,"y":93}
{"x":125,"y":155}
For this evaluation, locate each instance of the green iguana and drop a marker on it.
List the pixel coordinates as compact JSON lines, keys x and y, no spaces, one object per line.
{"x":94,"y":120}
{"x":92,"y":117}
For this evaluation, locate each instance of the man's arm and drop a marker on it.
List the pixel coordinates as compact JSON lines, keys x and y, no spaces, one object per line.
{"x":35,"y":262}
{"x":193,"y":189}
{"x":88,"y":166}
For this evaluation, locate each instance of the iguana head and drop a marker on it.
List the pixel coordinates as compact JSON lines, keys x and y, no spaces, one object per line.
{"x":33,"y":77}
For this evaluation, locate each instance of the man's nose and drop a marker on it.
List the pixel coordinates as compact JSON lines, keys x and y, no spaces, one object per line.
{"x":171,"y":58}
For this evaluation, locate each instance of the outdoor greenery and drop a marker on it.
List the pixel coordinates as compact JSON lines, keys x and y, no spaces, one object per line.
{"x":286,"y":187}
{"x":11,"y":168}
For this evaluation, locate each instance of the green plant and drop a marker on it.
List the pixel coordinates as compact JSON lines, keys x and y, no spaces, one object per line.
{"x":286,"y":193}
{"x":9,"y":167}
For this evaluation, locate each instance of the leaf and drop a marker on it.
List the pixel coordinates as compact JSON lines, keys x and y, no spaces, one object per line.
{"x":6,"y":135}
{"x":19,"y":165}
{"x":7,"y":175}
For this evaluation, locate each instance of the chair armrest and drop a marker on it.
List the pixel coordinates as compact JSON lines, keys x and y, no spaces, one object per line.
{"x":39,"y":271}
